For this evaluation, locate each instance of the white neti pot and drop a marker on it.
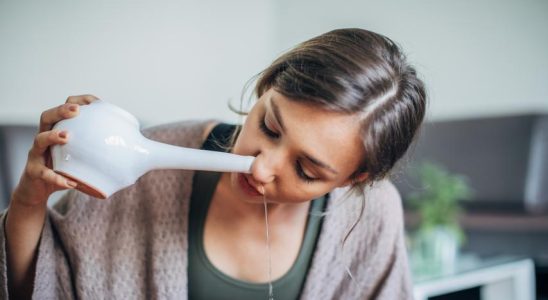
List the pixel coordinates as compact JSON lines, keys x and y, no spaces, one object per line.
{"x":106,"y":152}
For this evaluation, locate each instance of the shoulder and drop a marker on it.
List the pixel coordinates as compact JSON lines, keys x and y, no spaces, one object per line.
{"x":385,"y":194}
{"x":384,"y":204}
{"x":380,"y":195}
{"x":382,"y":212}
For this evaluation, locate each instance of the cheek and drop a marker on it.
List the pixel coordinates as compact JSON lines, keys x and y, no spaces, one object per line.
{"x":289,"y":191}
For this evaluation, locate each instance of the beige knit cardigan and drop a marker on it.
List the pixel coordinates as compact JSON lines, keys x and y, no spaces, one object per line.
{"x":134,"y":244}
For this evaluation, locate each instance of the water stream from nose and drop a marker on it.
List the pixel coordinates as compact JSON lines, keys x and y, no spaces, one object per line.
{"x":270,"y":290}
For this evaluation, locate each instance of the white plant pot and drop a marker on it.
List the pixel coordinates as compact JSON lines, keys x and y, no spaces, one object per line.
{"x":436,"y":250}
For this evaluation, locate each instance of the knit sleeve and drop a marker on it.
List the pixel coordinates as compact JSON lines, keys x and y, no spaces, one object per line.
{"x":372,"y":263}
{"x":388,"y":250}
{"x":396,"y":280}
{"x":3,"y":258}
{"x":52,"y":278}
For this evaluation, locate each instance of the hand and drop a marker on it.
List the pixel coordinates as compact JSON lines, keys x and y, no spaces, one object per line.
{"x":38,"y":180}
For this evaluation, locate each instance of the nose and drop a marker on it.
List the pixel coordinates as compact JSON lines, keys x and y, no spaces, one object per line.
{"x":265,"y":168}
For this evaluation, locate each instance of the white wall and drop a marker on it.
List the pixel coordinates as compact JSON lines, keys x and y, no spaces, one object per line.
{"x":170,"y":60}
{"x":487,"y":57}
{"x":161,"y":60}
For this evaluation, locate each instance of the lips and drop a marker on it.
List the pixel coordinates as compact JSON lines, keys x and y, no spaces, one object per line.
{"x":247,"y":187}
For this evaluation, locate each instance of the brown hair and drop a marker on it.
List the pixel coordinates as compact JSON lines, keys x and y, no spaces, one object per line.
{"x":356,"y":71}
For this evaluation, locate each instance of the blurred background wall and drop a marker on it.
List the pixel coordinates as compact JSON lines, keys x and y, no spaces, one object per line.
{"x":169,"y":60}
{"x":161,"y":60}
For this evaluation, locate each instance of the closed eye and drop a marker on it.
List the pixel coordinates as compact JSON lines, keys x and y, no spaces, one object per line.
{"x":302,"y":174}
{"x":266,"y":130}
{"x":298,"y":167}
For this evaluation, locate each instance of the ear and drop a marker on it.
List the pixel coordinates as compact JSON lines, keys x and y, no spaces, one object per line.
{"x":361,"y":177}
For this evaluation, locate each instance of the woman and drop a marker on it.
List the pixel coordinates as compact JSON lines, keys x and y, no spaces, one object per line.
{"x":332,"y":118}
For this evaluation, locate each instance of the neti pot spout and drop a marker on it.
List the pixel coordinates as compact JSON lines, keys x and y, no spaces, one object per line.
{"x":165,"y":156}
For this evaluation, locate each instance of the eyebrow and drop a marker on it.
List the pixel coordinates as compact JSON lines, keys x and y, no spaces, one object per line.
{"x":279,"y":119}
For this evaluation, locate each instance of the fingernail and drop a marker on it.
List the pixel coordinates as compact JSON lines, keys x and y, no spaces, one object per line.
{"x":73,"y":107}
{"x":63,"y":134}
{"x":72,"y":184}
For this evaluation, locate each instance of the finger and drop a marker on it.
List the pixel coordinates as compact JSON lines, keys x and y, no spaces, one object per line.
{"x":47,"y":138}
{"x":68,"y":110}
{"x":56,"y":114}
{"x":82,"y":99}
{"x":50,"y":177}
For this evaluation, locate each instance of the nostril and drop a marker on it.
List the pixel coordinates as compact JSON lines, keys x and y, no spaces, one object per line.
{"x":255,"y":169}
{"x":261,"y":172}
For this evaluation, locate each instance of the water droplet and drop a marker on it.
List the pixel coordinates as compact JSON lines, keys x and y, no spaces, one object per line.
{"x":67,"y":157}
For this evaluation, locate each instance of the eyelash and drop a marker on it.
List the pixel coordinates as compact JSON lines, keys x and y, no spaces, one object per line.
{"x":274,"y":135}
{"x":302,"y":174}
{"x":266,"y":130}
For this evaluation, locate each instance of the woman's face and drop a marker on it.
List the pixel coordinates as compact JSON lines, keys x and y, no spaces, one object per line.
{"x":302,"y":151}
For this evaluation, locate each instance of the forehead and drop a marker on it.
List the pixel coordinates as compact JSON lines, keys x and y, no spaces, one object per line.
{"x":333,"y":137}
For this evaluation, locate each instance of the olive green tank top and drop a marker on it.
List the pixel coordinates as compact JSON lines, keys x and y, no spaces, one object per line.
{"x":205,"y":281}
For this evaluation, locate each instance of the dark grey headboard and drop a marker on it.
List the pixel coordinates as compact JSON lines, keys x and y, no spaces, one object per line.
{"x":505,"y":159}
{"x":15,"y":142}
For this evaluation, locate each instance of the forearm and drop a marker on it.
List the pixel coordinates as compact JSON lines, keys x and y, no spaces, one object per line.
{"x":23,"y":228}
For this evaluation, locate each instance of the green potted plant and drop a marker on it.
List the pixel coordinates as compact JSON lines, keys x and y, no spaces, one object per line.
{"x":439,"y":234}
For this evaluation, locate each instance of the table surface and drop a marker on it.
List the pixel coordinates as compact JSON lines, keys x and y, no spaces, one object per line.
{"x":465,"y":262}
{"x":498,"y":277}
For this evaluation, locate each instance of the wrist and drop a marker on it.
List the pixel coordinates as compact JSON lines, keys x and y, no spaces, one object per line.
{"x":21,"y":206}
{"x":27,"y":205}
{"x":25,"y":200}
